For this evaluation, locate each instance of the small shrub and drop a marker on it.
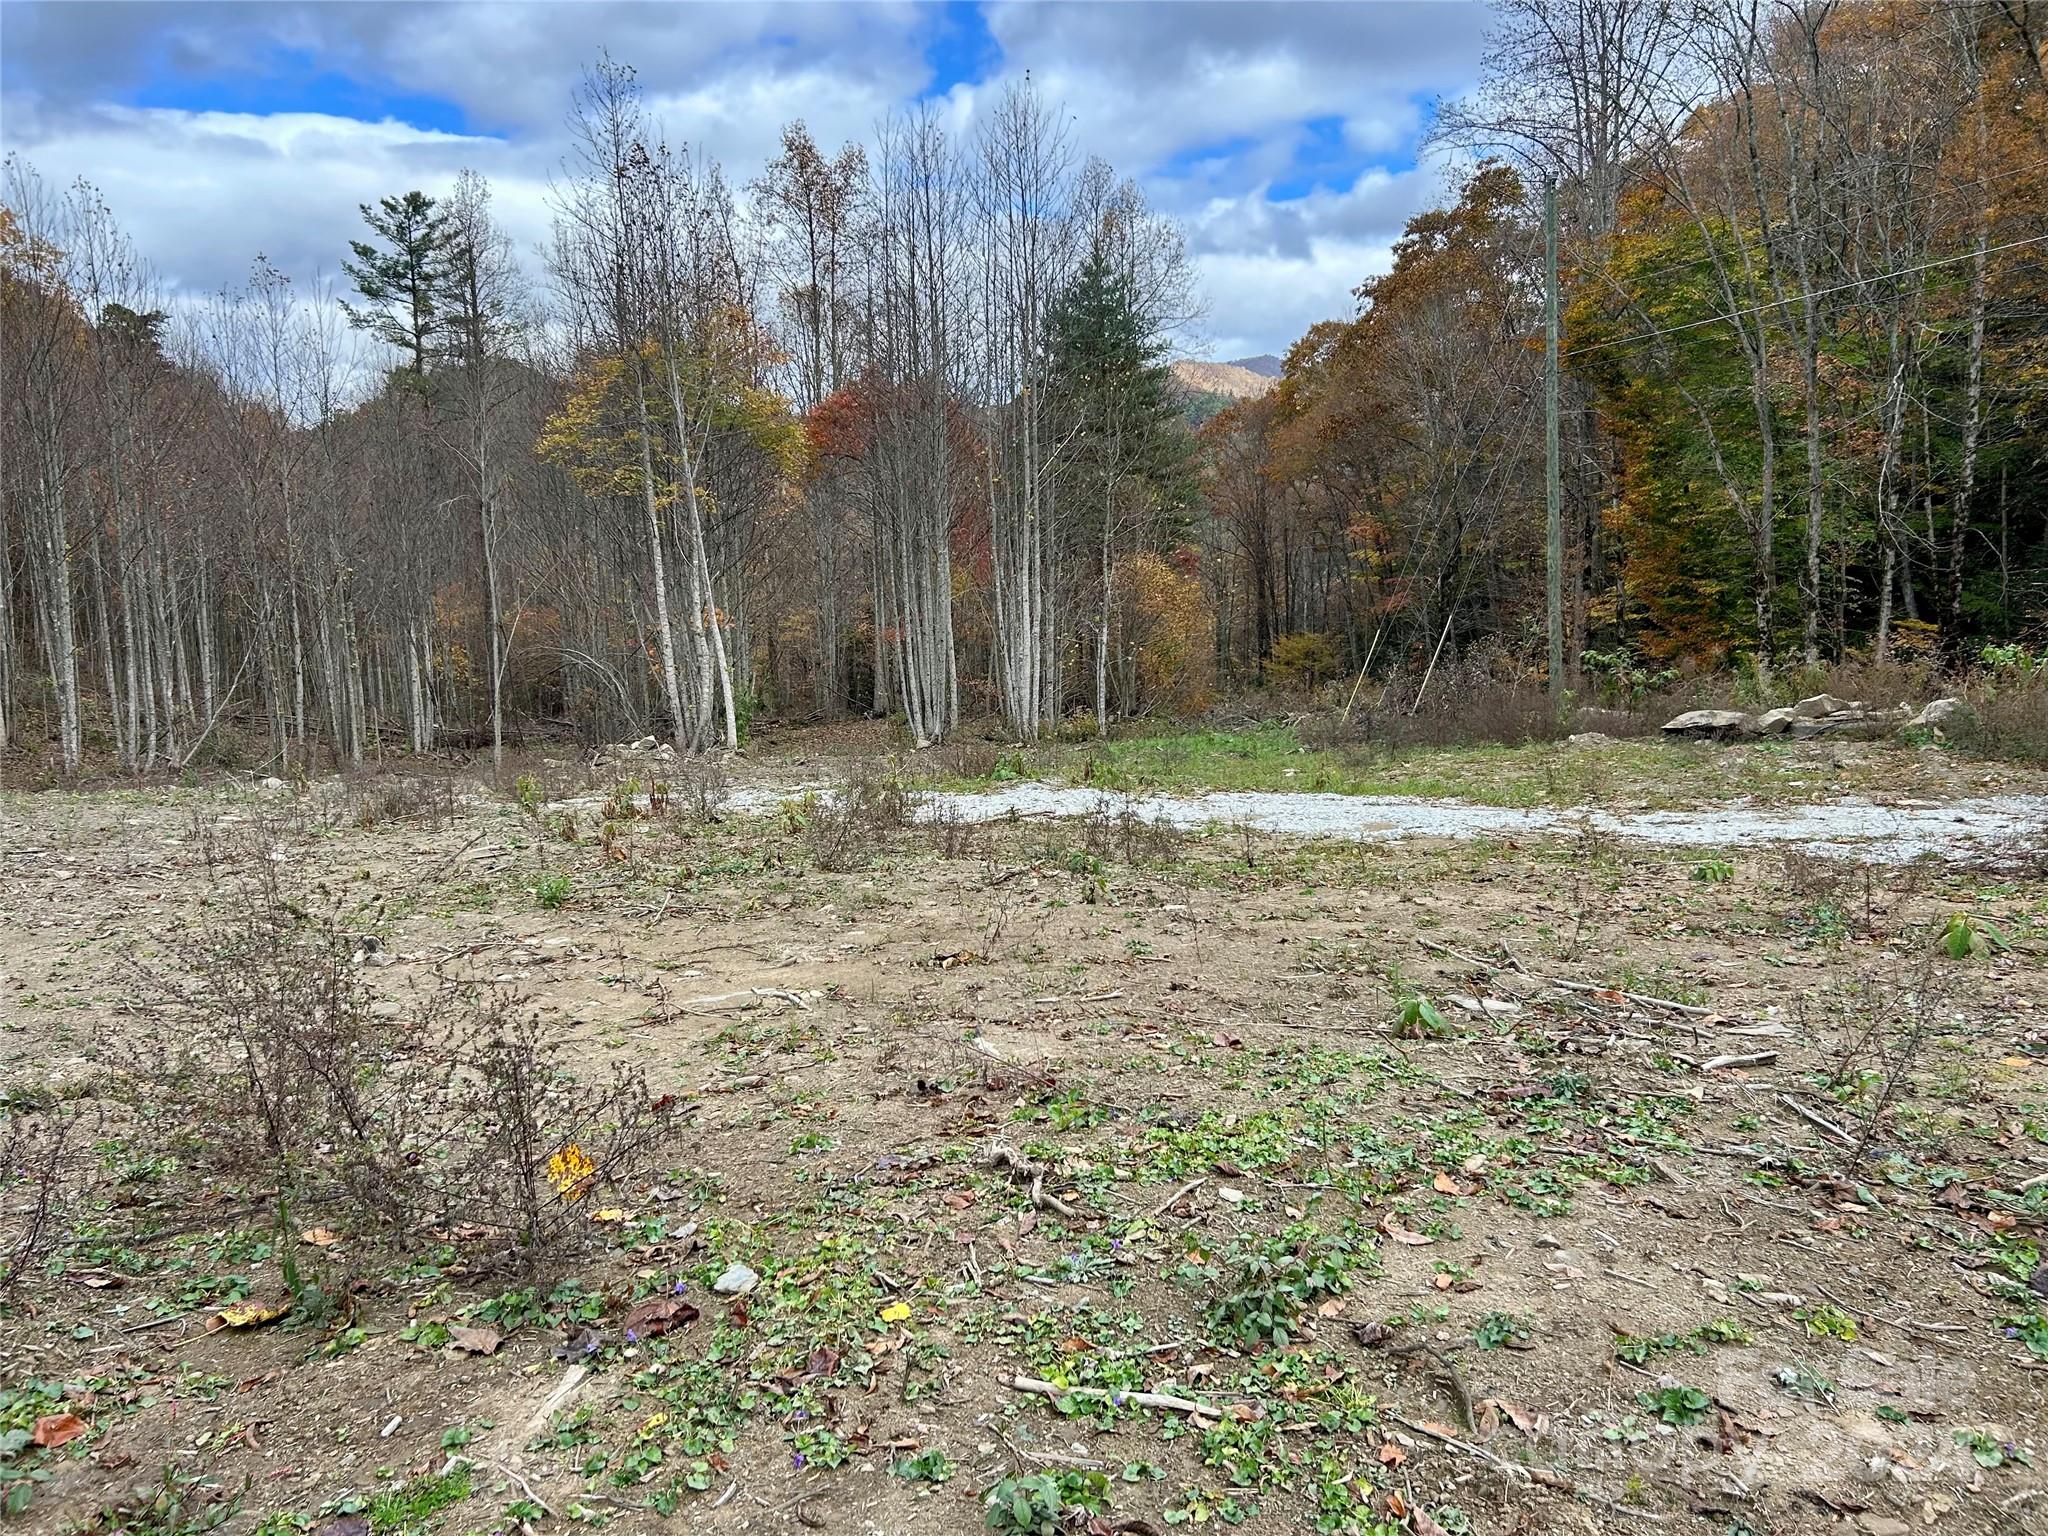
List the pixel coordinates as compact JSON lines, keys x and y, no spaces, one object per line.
{"x":459,"y":1119}
{"x":526,"y":791}
{"x":552,"y":890}
{"x":387,"y":801}
{"x":1965,"y":937}
{"x":1275,"y":1282}
{"x":844,"y":830}
{"x":1418,"y":1019}
{"x":33,"y":1189}
{"x":2007,"y":718}
{"x":1299,"y":662}
{"x":701,"y":789}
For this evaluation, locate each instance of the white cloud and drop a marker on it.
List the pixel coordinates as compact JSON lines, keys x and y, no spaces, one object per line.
{"x":1204,"y":103}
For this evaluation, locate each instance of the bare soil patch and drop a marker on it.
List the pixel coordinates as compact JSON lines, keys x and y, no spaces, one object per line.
{"x":1705,"y":1192}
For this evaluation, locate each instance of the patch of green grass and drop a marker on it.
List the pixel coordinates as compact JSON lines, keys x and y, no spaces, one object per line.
{"x":410,"y":1510}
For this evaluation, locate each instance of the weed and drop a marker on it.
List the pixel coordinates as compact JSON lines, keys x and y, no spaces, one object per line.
{"x":175,"y":1505}
{"x":1827,"y":1321}
{"x":1965,"y":937}
{"x":1713,"y":872}
{"x":2030,"y":1329}
{"x":1677,"y":1404}
{"x":845,"y":829}
{"x":1989,"y":1452}
{"x":1418,"y":1019}
{"x":551,"y":891}
{"x":1800,"y":1381}
{"x":1503,"y":1330}
{"x":1045,"y":1503}
{"x":1277,"y":1280}
{"x":1641,"y":1351}
{"x":928,"y":1466}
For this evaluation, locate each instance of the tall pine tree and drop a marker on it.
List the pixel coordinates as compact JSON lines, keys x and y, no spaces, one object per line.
{"x":1130,"y":455}
{"x":401,"y":277}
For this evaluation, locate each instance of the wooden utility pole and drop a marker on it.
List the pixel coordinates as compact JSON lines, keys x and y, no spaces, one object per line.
{"x":1554,"y":559}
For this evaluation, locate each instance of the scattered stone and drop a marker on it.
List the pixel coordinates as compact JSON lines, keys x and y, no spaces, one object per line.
{"x":1714,"y":724}
{"x":385,"y":1010}
{"x":1230,"y":1196}
{"x":271,"y":785}
{"x":736,"y":1281}
{"x":1775,"y":722}
{"x":1937,"y":713}
{"x":632,"y":757}
{"x":1589,"y":739}
{"x":1822,"y":705}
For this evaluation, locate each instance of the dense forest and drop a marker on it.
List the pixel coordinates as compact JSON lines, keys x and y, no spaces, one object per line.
{"x":890,"y":429}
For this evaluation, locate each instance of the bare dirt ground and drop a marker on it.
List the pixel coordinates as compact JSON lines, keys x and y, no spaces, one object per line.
{"x":1693,"y":1189}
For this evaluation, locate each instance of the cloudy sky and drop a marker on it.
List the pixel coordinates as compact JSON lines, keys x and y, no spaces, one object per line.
{"x":1283,"y":136}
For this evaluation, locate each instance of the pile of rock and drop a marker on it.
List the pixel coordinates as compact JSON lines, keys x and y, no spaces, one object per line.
{"x":634,"y":758}
{"x":1821,"y":715}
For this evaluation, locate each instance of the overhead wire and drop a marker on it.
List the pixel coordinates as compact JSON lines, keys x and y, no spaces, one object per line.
{"x":1795,"y":298}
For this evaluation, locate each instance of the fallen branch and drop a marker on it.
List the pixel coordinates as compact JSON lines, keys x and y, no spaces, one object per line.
{"x":1016,"y":1164}
{"x":1724,"y":1063}
{"x":1645,"y":999}
{"x":1165,"y":1401}
{"x":1815,"y":1118}
{"x":1177,"y":1196}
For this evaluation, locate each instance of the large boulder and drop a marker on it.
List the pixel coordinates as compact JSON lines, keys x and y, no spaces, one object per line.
{"x":1775,"y":722}
{"x":1712,"y":724}
{"x":1936,"y":714}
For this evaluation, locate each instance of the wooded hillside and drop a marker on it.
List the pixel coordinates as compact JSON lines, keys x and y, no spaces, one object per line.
{"x":892,"y":429}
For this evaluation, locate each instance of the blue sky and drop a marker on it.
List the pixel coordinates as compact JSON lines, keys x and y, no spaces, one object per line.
{"x":1283,"y":136}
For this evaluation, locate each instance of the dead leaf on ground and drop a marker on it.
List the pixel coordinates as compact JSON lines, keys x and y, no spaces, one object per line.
{"x":320,"y":1237}
{"x":475,"y":1341}
{"x":55,"y":1429}
{"x":1527,"y":1420}
{"x":1397,"y":1234}
{"x":343,"y":1525}
{"x":248,"y":1314}
{"x":655,"y":1316}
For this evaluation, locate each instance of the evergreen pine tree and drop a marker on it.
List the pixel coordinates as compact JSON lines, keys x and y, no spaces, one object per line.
{"x":1108,"y":371}
{"x":401,"y":277}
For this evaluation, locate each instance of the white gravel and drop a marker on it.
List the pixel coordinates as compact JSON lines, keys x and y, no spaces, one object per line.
{"x":1893,"y":834}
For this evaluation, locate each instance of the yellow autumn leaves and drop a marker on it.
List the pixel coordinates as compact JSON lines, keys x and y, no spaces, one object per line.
{"x":571,"y":1171}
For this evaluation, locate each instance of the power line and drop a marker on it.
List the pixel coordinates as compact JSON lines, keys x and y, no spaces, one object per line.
{"x":1946,"y":190}
{"x":1794,"y":298}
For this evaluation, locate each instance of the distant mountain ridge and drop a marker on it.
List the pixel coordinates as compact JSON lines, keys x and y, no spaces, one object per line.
{"x":1265,"y":365}
{"x":1230,"y":380}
